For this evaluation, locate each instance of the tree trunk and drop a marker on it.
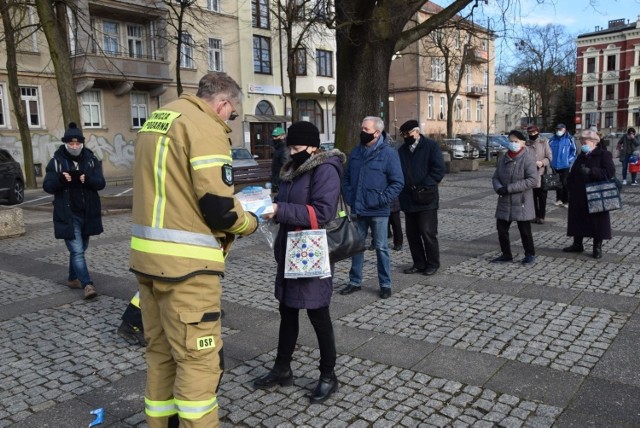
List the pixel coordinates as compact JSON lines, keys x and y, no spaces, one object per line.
{"x":54,"y":25}
{"x":14,"y":91}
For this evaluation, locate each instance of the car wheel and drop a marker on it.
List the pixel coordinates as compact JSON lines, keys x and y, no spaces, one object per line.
{"x":17,"y":193}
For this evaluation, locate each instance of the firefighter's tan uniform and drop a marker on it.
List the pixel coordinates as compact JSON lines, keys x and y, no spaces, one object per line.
{"x":184,"y":220}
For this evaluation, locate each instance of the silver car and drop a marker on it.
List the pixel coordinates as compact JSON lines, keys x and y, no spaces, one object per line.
{"x":242,"y":157}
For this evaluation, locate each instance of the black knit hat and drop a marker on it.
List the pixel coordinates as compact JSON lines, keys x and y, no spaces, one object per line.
{"x":73,"y":132}
{"x":303,"y":134}
{"x":519,"y":135}
{"x":409,"y":125}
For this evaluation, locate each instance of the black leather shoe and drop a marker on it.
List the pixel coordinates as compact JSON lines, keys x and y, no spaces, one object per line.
{"x":430,"y":271}
{"x":275,"y":377}
{"x":573,"y":248}
{"x":323,"y":390}
{"x":397,"y":248}
{"x":501,"y":259}
{"x":413,"y":269}
{"x":385,"y":292}
{"x":597,"y":252}
{"x":349,"y":289}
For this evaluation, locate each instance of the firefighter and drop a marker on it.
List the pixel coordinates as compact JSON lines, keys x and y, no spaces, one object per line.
{"x":185,"y":219}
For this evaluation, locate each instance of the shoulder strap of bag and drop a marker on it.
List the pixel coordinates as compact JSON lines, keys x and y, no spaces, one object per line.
{"x":312,"y":217}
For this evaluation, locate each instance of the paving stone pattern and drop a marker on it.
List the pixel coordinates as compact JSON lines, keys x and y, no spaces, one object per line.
{"x":16,"y":288}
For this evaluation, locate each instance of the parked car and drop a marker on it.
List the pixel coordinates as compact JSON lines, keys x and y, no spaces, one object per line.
{"x":459,"y":149}
{"x":326,"y":146}
{"x":479,"y":142}
{"x":11,"y":179}
{"x":242,"y":157}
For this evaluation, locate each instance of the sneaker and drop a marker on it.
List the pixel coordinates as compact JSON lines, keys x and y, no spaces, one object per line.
{"x":131,"y":334}
{"x":529,"y":260}
{"x":89,"y":292}
{"x":74,"y":284}
{"x":634,"y":183}
{"x":624,"y":182}
{"x":558,"y":203}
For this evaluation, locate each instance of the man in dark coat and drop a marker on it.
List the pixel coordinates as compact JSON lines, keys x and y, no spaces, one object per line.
{"x":593,"y":164}
{"x":280,"y":157}
{"x":423,"y":168}
{"x":74,"y":176}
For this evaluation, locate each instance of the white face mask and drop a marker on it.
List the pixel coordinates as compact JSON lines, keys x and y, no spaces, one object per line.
{"x":514,"y":146}
{"x":75,"y":150}
{"x":560,"y":133}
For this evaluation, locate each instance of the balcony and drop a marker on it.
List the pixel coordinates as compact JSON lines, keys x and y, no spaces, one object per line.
{"x":476,"y":91}
{"x":609,"y":104}
{"x":634,"y":100}
{"x":635,"y":70}
{"x":477,"y":56}
{"x":589,"y":105}
{"x":611,"y":75}
{"x":590,"y":77}
{"x":89,"y":67}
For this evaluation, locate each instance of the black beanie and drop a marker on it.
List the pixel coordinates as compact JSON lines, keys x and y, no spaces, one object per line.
{"x":303,"y":134}
{"x":409,"y":125}
{"x":73,"y":132}
{"x":519,"y":135}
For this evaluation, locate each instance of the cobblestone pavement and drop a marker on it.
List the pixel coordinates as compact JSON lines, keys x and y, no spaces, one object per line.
{"x":477,"y":345}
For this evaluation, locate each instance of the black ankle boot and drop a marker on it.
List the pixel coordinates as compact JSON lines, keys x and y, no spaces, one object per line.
{"x":325,"y":387}
{"x":576,"y":247}
{"x":597,"y":249}
{"x":277,"y":376}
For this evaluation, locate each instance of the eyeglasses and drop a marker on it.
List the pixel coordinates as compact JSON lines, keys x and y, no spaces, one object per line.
{"x":234,"y":114}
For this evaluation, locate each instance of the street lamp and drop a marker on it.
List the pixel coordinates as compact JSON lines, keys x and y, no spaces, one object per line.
{"x":322,"y":91}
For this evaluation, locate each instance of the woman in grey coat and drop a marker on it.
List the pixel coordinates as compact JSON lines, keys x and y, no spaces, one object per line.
{"x":514,"y":179}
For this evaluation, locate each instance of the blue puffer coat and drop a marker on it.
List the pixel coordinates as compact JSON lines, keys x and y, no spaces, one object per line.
{"x":373,"y":178}
{"x":317,"y":183}
{"x":85,"y":194}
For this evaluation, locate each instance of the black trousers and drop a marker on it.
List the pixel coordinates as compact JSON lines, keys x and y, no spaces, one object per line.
{"x":395,"y":226}
{"x":540,"y":202}
{"x":422,"y":235}
{"x":288,"y":336}
{"x":525,"y":235}
{"x":562,"y":194}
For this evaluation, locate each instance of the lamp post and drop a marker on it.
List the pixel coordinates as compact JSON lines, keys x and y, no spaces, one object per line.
{"x":488,"y":152}
{"x":322,"y":91}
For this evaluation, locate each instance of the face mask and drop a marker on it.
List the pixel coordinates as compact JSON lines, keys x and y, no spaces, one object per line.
{"x":74,"y":151}
{"x":233,"y":116}
{"x":300,"y":157}
{"x":559,"y":133}
{"x":533,"y":137}
{"x":366,"y":138}
{"x":585,"y":148}
{"x":409,"y":140}
{"x":514,"y":147}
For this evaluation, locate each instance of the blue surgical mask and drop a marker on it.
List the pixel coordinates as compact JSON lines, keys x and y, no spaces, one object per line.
{"x":585,"y":148}
{"x":514,"y":147}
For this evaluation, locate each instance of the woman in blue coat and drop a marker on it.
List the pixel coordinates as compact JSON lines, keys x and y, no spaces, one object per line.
{"x":312,"y":178}
{"x":74,"y":176}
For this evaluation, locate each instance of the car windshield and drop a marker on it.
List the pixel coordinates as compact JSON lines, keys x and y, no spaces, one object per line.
{"x":241,"y":154}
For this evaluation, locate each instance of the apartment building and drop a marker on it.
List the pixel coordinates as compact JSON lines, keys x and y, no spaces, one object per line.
{"x":608,"y":77}
{"x":417,"y":79}
{"x":511,"y":107}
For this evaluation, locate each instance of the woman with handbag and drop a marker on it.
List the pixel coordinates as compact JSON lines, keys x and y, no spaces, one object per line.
{"x":311,"y":178}
{"x":592,"y":164}
{"x":542,"y":152}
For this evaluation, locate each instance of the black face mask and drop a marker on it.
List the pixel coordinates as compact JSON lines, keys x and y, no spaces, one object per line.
{"x":409,"y":140}
{"x":533,"y":137}
{"x":300,"y":157}
{"x":365,"y":137}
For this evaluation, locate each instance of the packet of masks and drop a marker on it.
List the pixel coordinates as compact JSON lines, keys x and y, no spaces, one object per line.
{"x":269,"y":230}
{"x":256,"y":200}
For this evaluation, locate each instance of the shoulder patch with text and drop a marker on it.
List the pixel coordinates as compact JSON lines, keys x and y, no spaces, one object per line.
{"x":160,"y":121}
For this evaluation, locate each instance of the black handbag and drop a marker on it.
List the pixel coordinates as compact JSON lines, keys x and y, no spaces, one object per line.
{"x":550,"y":181}
{"x":343,"y":235}
{"x":424,"y":195}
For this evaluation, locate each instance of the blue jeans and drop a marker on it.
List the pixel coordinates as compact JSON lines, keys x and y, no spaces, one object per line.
{"x":625,"y":168}
{"x":77,"y":246}
{"x":379,"y":232}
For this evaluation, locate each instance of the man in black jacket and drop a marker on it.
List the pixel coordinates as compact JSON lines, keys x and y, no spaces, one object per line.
{"x":423,"y":168}
{"x":280,"y":157}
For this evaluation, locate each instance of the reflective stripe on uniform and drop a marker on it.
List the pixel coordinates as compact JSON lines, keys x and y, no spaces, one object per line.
{"x":195,"y":409}
{"x":135,"y":300}
{"x":174,"y":235}
{"x":176,"y":250}
{"x":158,"y":409}
{"x":238,"y":230}
{"x":160,"y":161}
{"x":209,"y":161}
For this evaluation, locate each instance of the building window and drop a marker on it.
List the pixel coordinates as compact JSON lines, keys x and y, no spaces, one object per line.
{"x":430,"y":107}
{"x":25,"y":34}
{"x":260,"y":14}
{"x":591,"y":65}
{"x":31,"y":103}
{"x":608,"y":119}
{"x":469,"y":110}
{"x":186,"y":51}
{"x":324,"y":63}
{"x":609,"y":92}
{"x":478,"y":111}
{"x":264,"y":107}
{"x":437,"y":69}
{"x":3,"y":107}
{"x":485,"y":78}
{"x":590,"y":93}
{"x":213,"y":5}
{"x":262,"y":55}
{"x":90,"y":112}
{"x":467,"y":72}
{"x":300,"y":62}
{"x":458,"y":109}
{"x":311,"y":111}
{"x":611,"y":62}
{"x":591,"y":119}
{"x":215,"y":54}
{"x":110,"y":38}
{"x":134,"y":40}
{"x":139,"y":109}
{"x":443,"y":110}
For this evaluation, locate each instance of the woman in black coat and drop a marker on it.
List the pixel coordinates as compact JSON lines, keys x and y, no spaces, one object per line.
{"x":592,"y":164}
{"x":312,"y":178}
